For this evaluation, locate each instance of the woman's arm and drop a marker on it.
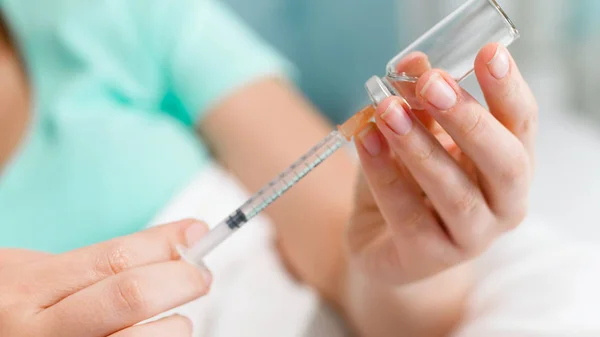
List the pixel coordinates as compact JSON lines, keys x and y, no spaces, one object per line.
{"x":261,"y":130}
{"x":257,"y":133}
{"x":428,"y":201}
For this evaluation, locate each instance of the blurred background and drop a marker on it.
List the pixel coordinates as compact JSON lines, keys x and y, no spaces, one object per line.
{"x":560,"y":42}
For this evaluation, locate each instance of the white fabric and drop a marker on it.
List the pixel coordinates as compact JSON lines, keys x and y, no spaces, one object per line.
{"x":530,"y":283}
{"x":251,"y":296}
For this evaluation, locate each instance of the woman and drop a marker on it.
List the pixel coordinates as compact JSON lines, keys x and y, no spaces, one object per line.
{"x":101,"y":102}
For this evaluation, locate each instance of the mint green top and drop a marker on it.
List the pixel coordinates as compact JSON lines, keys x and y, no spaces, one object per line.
{"x":117,"y":87}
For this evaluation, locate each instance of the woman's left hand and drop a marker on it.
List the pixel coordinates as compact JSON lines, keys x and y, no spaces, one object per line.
{"x":439,"y":185}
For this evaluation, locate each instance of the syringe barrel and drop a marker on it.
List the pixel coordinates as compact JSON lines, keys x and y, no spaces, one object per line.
{"x":288,"y":178}
{"x":210,"y":241}
{"x":263,"y":198}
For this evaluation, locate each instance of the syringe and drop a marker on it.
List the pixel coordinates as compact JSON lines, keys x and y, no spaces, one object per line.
{"x":288,"y":178}
{"x":453,"y":45}
{"x":266,"y":196}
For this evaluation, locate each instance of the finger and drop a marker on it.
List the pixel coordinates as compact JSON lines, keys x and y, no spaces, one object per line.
{"x":68,"y":273}
{"x":507,"y":94}
{"x":415,"y":231}
{"x":396,"y":197}
{"x":498,"y":155}
{"x":413,"y":65}
{"x":127,"y":298}
{"x":173,"y":326}
{"x":19,"y":256}
{"x":456,"y":198}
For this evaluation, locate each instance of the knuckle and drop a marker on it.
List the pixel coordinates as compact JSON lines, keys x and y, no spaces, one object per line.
{"x":516,"y":172}
{"x":129,"y":296}
{"x":473,"y":125}
{"x":530,"y":121}
{"x":421,"y":149}
{"x":527,"y":125}
{"x":118,"y":258}
{"x":466,"y":203}
{"x":424,"y":151}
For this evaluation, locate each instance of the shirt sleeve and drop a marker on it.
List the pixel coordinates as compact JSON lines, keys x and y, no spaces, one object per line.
{"x":209,"y":53}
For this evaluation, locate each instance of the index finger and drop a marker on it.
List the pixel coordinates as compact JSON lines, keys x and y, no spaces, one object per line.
{"x":408,"y":70}
{"x":68,"y":273}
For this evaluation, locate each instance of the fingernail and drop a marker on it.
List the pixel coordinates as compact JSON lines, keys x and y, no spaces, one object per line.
{"x":206,"y":274}
{"x":187,"y":320}
{"x":499,"y":64}
{"x":194,"y":233}
{"x":439,"y":93}
{"x":397,"y":118}
{"x":370,"y":140}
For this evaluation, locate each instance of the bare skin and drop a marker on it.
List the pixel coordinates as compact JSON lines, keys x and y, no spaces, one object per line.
{"x":430,"y":197}
{"x":390,"y":250}
{"x":104,"y":289}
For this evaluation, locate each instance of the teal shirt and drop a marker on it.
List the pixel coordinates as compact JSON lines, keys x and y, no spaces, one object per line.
{"x":117,"y":87}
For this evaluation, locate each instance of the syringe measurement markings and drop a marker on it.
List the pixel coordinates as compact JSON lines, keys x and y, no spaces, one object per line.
{"x":297,"y":176}
{"x":307,"y":168}
{"x":266,"y":203}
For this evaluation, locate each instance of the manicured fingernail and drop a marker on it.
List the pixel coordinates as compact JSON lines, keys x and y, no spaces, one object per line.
{"x":499,"y":64}
{"x":194,"y":233}
{"x":397,"y":118}
{"x":370,"y":140}
{"x":439,"y":93}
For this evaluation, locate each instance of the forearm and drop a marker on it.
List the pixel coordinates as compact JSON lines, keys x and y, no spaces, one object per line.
{"x":260,"y":131}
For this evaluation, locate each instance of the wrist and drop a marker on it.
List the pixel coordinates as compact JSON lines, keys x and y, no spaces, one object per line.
{"x":431,"y":307}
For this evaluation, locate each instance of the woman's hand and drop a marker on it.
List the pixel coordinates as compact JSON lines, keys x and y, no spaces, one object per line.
{"x":102,"y":290}
{"x":440,"y":184}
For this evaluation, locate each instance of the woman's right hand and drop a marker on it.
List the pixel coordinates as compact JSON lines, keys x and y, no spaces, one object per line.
{"x":103,"y":290}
